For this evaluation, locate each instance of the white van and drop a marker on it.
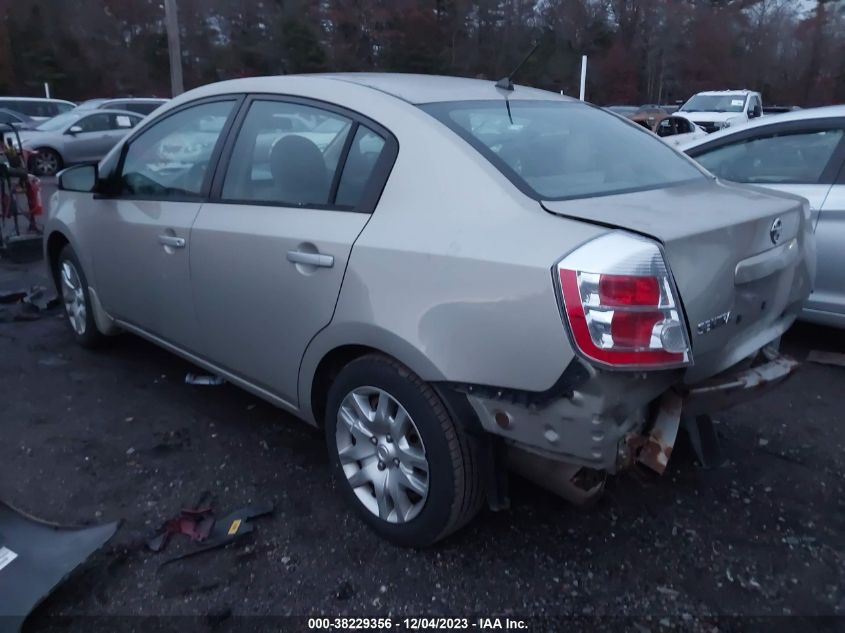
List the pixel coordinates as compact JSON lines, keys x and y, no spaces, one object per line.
{"x":37,"y":108}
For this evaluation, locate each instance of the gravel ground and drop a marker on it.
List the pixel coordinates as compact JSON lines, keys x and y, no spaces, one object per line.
{"x":92,"y":437}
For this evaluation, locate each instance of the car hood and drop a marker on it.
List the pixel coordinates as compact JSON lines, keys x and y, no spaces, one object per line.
{"x":713,"y":117}
{"x":27,"y":135}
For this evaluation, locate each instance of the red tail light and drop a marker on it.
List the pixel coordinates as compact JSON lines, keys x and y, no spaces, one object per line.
{"x":621,"y":305}
{"x":623,"y":290}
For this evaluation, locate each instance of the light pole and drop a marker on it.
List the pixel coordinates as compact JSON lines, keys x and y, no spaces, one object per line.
{"x":174,"y":48}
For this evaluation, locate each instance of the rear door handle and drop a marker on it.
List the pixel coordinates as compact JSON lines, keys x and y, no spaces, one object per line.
{"x":311,"y":259}
{"x":171,"y":240}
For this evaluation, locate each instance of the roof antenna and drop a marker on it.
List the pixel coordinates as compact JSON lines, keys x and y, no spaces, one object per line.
{"x":506,"y":83}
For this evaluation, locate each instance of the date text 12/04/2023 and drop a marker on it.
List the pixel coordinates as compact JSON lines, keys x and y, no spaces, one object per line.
{"x":413,"y":624}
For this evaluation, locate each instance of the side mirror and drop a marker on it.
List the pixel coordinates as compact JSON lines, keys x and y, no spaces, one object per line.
{"x":74,"y":129}
{"x":82,"y":178}
{"x":756,"y":111}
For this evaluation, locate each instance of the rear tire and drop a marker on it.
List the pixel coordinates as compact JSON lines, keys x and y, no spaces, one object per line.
{"x":429,"y":474}
{"x":73,"y":291}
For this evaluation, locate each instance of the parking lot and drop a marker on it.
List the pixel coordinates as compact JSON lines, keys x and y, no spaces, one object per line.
{"x":117,"y":434}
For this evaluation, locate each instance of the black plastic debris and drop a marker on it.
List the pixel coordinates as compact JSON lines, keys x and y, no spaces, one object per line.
{"x":12,"y":296}
{"x":35,"y":556}
{"x":207,"y":380}
{"x":228,"y":529}
{"x":195,"y":523}
{"x":200,"y":526}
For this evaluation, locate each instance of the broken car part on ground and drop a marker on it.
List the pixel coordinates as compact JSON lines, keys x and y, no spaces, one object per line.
{"x":35,"y":556}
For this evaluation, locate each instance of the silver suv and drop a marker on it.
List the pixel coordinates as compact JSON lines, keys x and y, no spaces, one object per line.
{"x":449,"y":277}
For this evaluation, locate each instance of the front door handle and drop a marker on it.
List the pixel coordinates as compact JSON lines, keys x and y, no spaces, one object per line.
{"x":172,"y":241}
{"x":311,"y":259}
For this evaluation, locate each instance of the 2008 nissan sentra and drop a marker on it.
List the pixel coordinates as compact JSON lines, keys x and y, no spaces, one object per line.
{"x":448,"y":276}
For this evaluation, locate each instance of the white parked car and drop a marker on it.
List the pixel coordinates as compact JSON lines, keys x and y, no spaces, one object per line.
{"x":719,"y":109}
{"x":37,"y":108}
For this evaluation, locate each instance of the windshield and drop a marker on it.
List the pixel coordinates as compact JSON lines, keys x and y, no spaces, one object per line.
{"x":715,"y":103}
{"x":553,"y":150}
{"x":58,"y":122}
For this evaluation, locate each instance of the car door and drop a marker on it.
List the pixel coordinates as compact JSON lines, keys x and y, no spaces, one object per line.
{"x":120,"y":124}
{"x":799,"y":157}
{"x":269,"y":251}
{"x":829,"y":296}
{"x":141,"y":227}
{"x":88,"y":138}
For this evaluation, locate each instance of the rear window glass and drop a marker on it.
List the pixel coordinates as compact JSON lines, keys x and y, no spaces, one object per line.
{"x":556,"y":150}
{"x":141,"y":107}
{"x":38,"y":108}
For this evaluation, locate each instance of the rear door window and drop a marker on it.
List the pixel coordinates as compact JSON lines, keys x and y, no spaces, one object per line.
{"x":795,"y":157}
{"x":122,"y":121}
{"x":558,"y":150}
{"x":286,"y":154}
{"x":95,"y":123}
{"x":364,"y":153}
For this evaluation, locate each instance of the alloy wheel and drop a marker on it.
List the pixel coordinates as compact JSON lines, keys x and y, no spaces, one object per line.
{"x":73,"y":296}
{"x":46,"y":163}
{"x":382,"y":454}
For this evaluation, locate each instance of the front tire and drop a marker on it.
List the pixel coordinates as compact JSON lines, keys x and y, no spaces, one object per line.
{"x":46,"y":162}
{"x":73,"y":287}
{"x":410,"y":471}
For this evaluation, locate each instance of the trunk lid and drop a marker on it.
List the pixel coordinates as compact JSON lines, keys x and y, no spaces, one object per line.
{"x":741,"y":274}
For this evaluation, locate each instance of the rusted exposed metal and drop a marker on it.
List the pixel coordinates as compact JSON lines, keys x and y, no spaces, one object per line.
{"x":722,"y":392}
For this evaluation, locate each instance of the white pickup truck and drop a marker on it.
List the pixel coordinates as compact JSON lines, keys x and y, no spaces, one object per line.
{"x":719,"y":109}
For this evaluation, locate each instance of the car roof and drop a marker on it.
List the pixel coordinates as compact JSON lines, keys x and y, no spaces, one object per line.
{"x":10,"y":98}
{"x":415,"y":89}
{"x":773,"y":119}
{"x":135,"y":99}
{"x":745,"y":91}
{"x":109,"y":111}
{"x":86,"y":112}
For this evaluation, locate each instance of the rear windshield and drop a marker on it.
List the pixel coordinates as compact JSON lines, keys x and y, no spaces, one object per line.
{"x":555,"y":150}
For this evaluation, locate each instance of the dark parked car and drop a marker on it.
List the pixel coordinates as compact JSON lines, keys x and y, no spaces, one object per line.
{"x":17,"y":119}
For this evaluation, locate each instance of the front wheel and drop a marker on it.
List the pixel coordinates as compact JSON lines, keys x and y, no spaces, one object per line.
{"x":76,"y":299}
{"x":409,"y":470}
{"x":46,"y":162}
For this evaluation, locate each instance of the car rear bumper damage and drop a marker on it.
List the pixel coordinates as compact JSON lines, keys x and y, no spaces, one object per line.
{"x":568,"y":445}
